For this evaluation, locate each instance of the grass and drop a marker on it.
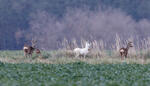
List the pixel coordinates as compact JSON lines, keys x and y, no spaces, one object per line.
{"x":61,"y":57}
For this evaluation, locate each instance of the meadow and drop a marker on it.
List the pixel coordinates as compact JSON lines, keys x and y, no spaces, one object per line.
{"x":65,"y":56}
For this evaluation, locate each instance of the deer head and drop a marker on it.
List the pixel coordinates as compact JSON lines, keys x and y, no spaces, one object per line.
{"x":129,"y":44}
{"x":33,"y":42}
{"x":87,"y":44}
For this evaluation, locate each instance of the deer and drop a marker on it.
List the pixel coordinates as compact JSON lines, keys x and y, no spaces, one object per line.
{"x":28,"y":50}
{"x":82,"y":51}
{"x":38,"y":52}
{"x":124,"y":51}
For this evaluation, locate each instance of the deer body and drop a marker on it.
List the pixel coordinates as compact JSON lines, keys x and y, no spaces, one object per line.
{"x":82,"y":51}
{"x":124,"y":51}
{"x":28,"y":50}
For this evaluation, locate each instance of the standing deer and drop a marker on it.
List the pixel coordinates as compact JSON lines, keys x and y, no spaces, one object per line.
{"x":124,"y":51}
{"x":28,"y":50}
{"x":82,"y":51}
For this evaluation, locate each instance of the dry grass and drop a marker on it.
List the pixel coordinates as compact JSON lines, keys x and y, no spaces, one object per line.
{"x":62,"y":57}
{"x":100,"y":53}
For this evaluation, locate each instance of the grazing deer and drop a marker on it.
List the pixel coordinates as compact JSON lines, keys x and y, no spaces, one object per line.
{"x":124,"y":51}
{"x":28,"y":50}
{"x":38,"y":52}
{"x":82,"y":51}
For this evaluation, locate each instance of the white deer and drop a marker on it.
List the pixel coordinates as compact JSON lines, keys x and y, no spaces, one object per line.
{"x":82,"y":51}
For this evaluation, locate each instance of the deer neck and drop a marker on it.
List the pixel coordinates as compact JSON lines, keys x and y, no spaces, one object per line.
{"x":33,"y":46}
{"x":86,"y":47}
{"x":127,"y":47}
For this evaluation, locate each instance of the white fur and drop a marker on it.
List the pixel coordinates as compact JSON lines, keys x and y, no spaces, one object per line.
{"x":25,"y":48}
{"x":82,"y":51}
{"x":121,"y":50}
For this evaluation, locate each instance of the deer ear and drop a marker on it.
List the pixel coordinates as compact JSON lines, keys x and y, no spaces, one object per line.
{"x":87,"y":43}
{"x":130,"y":42}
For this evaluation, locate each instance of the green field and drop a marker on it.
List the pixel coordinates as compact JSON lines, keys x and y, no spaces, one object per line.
{"x":74,"y":74}
{"x":57,"y":69}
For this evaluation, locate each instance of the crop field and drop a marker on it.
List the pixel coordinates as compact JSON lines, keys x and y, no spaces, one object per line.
{"x":74,"y":74}
{"x":54,"y":69}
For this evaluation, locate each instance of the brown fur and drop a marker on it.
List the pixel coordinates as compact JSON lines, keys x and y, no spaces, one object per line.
{"x":124,"y":51}
{"x":28,"y":50}
{"x":38,"y":51}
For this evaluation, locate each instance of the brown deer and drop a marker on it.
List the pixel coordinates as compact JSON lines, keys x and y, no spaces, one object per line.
{"x":124,"y":51}
{"x":28,"y":50}
{"x":38,"y":52}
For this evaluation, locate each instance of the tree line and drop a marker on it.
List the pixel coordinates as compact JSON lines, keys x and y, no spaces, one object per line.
{"x":18,"y":19}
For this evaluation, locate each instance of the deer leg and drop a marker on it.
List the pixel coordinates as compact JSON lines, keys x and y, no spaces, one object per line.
{"x":125,"y":56}
{"x":77,"y":54}
{"x":29,"y":55}
{"x":25,"y":54}
{"x":121,"y":55}
{"x":84,"y":56}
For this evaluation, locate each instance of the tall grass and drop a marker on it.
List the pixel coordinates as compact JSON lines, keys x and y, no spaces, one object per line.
{"x":102,"y":49}
{"x":101,"y":52}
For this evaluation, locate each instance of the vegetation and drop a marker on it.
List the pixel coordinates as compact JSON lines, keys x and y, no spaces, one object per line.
{"x":63,"y":57}
{"x":74,"y":74}
{"x":60,"y":68}
{"x":68,"y":24}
